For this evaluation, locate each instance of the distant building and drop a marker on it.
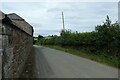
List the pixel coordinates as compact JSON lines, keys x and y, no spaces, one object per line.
{"x":36,"y":38}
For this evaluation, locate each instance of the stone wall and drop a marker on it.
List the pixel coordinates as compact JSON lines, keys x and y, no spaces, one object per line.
{"x":16,"y":46}
{"x":1,"y":52}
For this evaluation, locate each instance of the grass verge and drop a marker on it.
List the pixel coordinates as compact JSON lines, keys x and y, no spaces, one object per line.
{"x":113,"y":62}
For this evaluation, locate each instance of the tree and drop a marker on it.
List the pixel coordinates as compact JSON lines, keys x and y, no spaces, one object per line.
{"x":40,"y":37}
{"x":108,"y":36}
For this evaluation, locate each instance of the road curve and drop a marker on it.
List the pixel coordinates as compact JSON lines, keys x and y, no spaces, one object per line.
{"x":51,"y":63}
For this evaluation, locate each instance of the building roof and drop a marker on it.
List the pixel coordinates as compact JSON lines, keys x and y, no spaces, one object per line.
{"x":2,"y":15}
{"x":14,"y":16}
{"x":20,"y":23}
{"x":17,"y":21}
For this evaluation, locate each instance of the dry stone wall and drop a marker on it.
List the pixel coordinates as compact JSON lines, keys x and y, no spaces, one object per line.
{"x":16,"y":44}
{"x":1,"y":51}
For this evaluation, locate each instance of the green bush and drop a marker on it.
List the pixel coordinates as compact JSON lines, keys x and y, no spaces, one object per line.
{"x":105,"y":39}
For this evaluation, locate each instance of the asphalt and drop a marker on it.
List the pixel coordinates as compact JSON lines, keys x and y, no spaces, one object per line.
{"x":51,"y":63}
{"x":0,"y":64}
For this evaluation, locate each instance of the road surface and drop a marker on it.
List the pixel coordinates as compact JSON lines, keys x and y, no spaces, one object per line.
{"x":51,"y":63}
{"x":0,"y":64}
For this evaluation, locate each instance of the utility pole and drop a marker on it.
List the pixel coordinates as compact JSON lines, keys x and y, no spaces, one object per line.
{"x":63,"y":21}
{"x":119,"y":12}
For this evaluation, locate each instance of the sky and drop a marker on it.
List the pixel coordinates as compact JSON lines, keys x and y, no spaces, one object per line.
{"x":45,"y":16}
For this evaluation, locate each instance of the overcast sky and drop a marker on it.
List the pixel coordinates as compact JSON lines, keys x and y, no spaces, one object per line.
{"x":45,"y":17}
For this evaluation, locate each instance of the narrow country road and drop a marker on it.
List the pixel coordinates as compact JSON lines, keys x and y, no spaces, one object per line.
{"x":51,"y":63}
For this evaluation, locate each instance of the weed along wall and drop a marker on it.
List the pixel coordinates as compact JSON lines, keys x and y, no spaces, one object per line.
{"x":17,"y":42}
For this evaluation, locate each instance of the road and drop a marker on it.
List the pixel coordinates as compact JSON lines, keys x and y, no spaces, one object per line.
{"x":0,"y":67}
{"x":51,"y":63}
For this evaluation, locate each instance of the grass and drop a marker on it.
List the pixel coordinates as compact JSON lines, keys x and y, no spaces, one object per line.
{"x":95,"y":57}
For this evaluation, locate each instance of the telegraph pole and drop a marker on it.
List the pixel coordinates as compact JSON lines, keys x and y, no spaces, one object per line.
{"x":119,"y":12}
{"x":63,"y":21}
